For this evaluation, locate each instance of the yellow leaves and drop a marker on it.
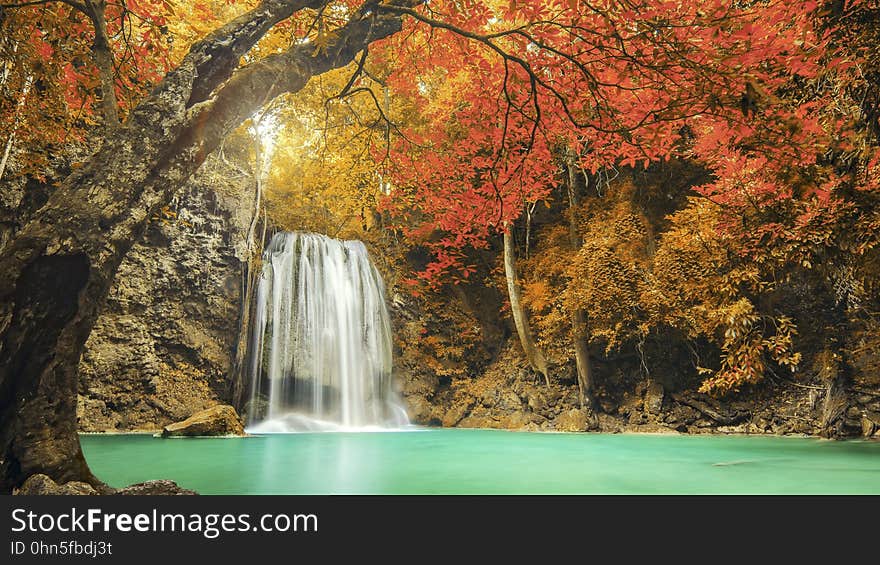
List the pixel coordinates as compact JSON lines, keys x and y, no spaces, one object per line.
{"x":538,"y":295}
{"x":323,"y":175}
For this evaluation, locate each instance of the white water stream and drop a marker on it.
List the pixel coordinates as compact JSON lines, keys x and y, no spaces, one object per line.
{"x":320,"y":352}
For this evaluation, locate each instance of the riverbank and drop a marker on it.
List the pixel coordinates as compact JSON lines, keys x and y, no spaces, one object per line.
{"x":508,"y":396}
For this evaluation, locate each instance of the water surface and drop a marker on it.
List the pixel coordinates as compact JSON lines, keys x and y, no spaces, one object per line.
{"x":454,"y":461}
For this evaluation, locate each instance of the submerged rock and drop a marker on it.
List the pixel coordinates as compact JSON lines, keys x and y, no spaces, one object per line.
{"x":219,"y":420}
{"x":41,"y":484}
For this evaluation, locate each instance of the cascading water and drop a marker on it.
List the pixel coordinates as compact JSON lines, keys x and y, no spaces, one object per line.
{"x":320,"y":356}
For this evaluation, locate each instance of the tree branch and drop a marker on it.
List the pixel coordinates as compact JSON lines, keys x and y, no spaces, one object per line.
{"x":216,"y":56}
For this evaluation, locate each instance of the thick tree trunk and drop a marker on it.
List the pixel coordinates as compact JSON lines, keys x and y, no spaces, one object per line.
{"x":534,"y":356}
{"x":56,"y":273}
{"x":579,"y":329}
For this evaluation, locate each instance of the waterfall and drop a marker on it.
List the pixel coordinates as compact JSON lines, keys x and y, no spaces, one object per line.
{"x":320,"y":351}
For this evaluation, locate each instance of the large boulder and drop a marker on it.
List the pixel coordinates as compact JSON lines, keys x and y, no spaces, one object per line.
{"x":575,"y":420}
{"x":219,"y":420}
{"x":41,"y":484}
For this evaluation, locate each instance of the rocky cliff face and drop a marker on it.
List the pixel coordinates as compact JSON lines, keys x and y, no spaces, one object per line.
{"x":507,"y":395}
{"x":163,"y":347}
{"x":450,"y":377}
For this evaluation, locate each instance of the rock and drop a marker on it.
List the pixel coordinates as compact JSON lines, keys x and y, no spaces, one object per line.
{"x":220,"y":420}
{"x":535,"y":399}
{"x":637,"y":418}
{"x":455,"y":414}
{"x":40,"y":484}
{"x":489,"y":397}
{"x":654,"y":397}
{"x":151,"y":488}
{"x":609,"y":424}
{"x":870,"y":424}
{"x":573,"y":420}
{"x":509,"y":401}
{"x":515,"y":421}
{"x":652,"y":428}
{"x":477,"y":421}
{"x":420,"y":410}
{"x":162,"y":346}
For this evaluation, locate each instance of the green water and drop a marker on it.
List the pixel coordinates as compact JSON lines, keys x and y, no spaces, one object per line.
{"x":490,"y":462}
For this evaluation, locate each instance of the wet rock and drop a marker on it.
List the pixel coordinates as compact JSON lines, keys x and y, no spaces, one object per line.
{"x":151,"y":488}
{"x":651,"y":428}
{"x":220,"y":420}
{"x":40,"y":484}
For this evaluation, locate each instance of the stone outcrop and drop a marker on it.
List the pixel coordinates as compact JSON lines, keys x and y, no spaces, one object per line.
{"x":220,"y":420}
{"x":573,"y":420}
{"x":40,"y":484}
{"x":152,"y":488}
{"x":508,"y":396}
{"x":163,"y":346}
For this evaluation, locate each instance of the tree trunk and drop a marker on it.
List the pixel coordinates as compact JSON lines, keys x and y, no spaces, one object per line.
{"x":250,"y":280}
{"x":56,"y":273}
{"x":103,"y":55}
{"x":16,"y":121}
{"x":534,"y":356}
{"x":579,"y":330}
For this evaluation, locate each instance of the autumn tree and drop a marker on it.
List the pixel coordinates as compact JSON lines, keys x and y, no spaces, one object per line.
{"x":648,"y":82}
{"x":59,"y":268}
{"x":69,"y":65}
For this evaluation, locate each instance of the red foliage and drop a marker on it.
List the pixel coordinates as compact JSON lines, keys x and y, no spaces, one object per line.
{"x":619,"y":84}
